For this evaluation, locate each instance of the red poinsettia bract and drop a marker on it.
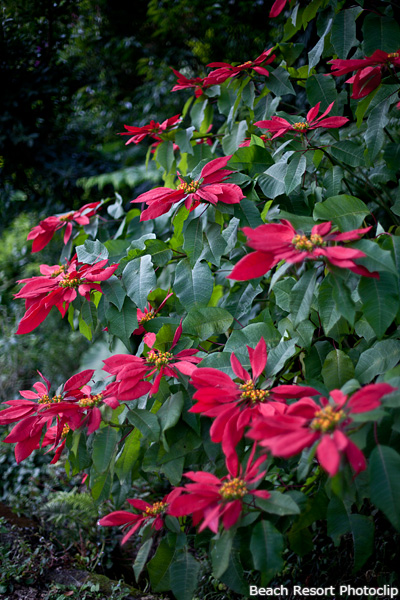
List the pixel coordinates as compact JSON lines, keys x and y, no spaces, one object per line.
{"x":210,"y":499}
{"x":145,"y":316}
{"x":326,"y":423}
{"x":153,"y":130}
{"x":147,"y":513}
{"x":276,"y":242}
{"x":72,"y":407}
{"x":210,"y":188}
{"x":277,"y":8}
{"x":368,"y":70}
{"x":183,"y":83}
{"x":225,"y":70}
{"x":234,"y":405}
{"x":59,"y":286}
{"x":281,"y":126}
{"x":43,"y":233}
{"x":133,"y":372}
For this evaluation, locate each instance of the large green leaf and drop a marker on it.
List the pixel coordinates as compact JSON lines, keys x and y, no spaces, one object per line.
{"x":266,"y":546}
{"x":343,"y":34}
{"x":384,"y":469}
{"x":139,"y":279}
{"x":380,"y":301}
{"x":380,"y":358}
{"x":278,"y":504}
{"x":122,"y":323}
{"x":128,"y":456}
{"x":375,"y":133}
{"x":221,"y":552}
{"x":193,"y":240}
{"x":376,"y":259}
{"x":141,"y":557}
{"x":184,"y":573}
{"x":252,"y":159}
{"x":206,"y":322}
{"x":295,"y":172}
{"x":337,"y":369}
{"x":347,"y":212}
{"x":159,"y":566}
{"x":91,"y":252}
{"x":146,"y":422}
{"x":380,"y":33}
{"x":104,"y":444}
{"x":193,"y":287}
{"x":349,"y":153}
{"x":321,"y":88}
{"x":279,"y":82}
{"x":272,"y":182}
{"x":302,"y":295}
{"x":113,"y":291}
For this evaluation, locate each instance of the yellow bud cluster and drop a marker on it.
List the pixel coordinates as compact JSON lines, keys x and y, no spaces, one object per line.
{"x":65,"y":430}
{"x":46,"y":400}
{"x":60,"y":270}
{"x":70,"y":283}
{"x":326,"y":419}
{"x":233,"y":490}
{"x":90,"y":401}
{"x":147,"y":317}
{"x":393,"y":55}
{"x":154,"y":510}
{"x":160,"y":359}
{"x":189,"y":188}
{"x":303,"y":244}
{"x":301,"y":126}
{"x":251,"y":394}
{"x":66,"y":217}
{"x":246,"y":64}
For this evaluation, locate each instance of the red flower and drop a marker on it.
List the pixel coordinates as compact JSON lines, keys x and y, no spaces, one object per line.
{"x":307,"y":422}
{"x":132,"y":372}
{"x":210,"y":499}
{"x":368,"y":70}
{"x":184,"y":83}
{"x":226,"y":70}
{"x":59,"y":286}
{"x":277,"y":8}
{"x":210,"y":187}
{"x":43,"y":233}
{"x":147,"y":512}
{"x":276,"y":242}
{"x":72,"y":406}
{"x":234,"y":405}
{"x":282,"y":126}
{"x":153,"y":130}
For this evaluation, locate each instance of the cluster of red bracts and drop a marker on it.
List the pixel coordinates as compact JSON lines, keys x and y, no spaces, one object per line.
{"x":59,"y":286}
{"x":71,"y":408}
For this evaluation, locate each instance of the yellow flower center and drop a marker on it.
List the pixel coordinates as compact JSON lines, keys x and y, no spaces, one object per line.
{"x":90,"y":401}
{"x":160,"y":359}
{"x":326,"y":419}
{"x":66,"y":217}
{"x":46,"y":400}
{"x":301,"y":126}
{"x":65,"y":430}
{"x":189,"y":188}
{"x":66,"y":282}
{"x":305,"y":244}
{"x":233,"y":490}
{"x":393,"y":55}
{"x":154,"y":510}
{"x":147,"y":317}
{"x":246,"y":64}
{"x":60,"y":270}
{"x":251,"y":394}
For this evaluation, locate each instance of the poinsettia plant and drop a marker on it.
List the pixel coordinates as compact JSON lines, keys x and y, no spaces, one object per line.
{"x":251,"y":304}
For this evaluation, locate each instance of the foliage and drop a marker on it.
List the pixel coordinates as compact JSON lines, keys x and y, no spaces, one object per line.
{"x":276,"y":229}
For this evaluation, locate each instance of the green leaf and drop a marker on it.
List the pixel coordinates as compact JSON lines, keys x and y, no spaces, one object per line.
{"x":165,"y":155}
{"x":376,"y":259}
{"x":233,"y":577}
{"x":302,"y":295}
{"x":141,"y":557}
{"x":220,"y":361}
{"x":316,"y":358}
{"x":169,"y":414}
{"x":193,"y":240}
{"x":248,"y":336}
{"x":322,"y":89}
{"x":206,"y":322}
{"x":342,"y":297}
{"x":128,"y":457}
{"x":380,"y":301}
{"x":338,"y":368}
{"x":113,"y":291}
{"x":279,"y":355}
{"x":184,"y":573}
{"x":375,"y":134}
{"x":105,"y":441}
{"x":239,"y":303}
{"x":380,"y":33}
{"x":278,"y":504}
{"x":315,"y":54}
{"x":327,"y":310}
{"x":333,"y":180}
{"x":231,"y":141}
{"x":384,"y":468}
{"x":295,"y":172}
{"x":182,"y":138}
{"x":279,"y":83}
{"x":272,"y":182}
{"x":193,"y":287}
{"x":159,"y":251}
{"x":139,"y":279}
{"x":146,"y":422}
{"x":91,"y":252}
{"x":122,"y":323}
{"x":252,"y":159}
{"x":340,"y":522}
{"x":266,"y":546}
{"x":217,"y":244}
{"x":347,"y":212}
{"x":221,"y":552}
{"x":382,"y":357}
{"x":159,"y":566}
{"x":343,"y":34}
{"x":349,"y":153}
